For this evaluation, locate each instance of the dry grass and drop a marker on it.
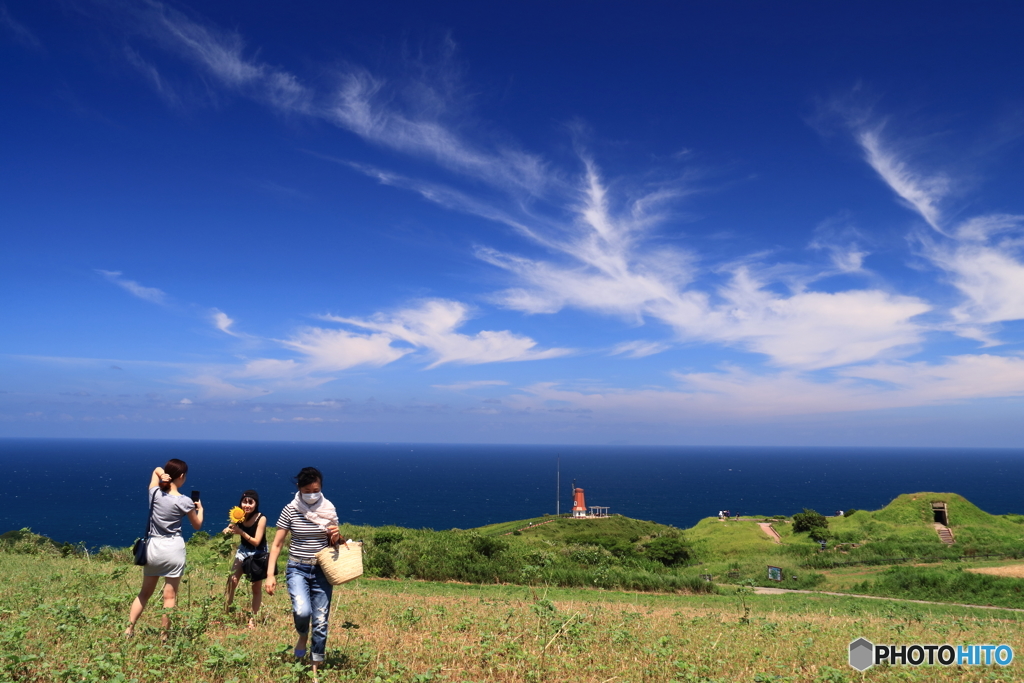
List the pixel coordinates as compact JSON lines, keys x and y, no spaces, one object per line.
{"x":1015,"y":571}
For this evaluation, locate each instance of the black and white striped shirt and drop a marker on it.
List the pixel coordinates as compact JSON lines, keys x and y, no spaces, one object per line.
{"x":307,"y":538}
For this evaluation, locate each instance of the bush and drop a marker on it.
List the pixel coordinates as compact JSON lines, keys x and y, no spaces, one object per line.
{"x":849,"y":513}
{"x":488,"y":546}
{"x":199,"y":538}
{"x":668,"y":550}
{"x":24,"y":542}
{"x":589,"y":555}
{"x":387,"y":537}
{"x":808,"y":520}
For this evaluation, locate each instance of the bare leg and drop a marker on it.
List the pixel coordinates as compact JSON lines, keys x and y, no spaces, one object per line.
{"x":232,"y":585}
{"x":139,"y":604}
{"x":257,"y":602}
{"x":170,"y":602}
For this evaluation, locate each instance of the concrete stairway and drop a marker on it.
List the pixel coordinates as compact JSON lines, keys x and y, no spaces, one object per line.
{"x":945,"y":534}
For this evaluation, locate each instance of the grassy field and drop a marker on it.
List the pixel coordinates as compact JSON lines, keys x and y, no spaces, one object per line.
{"x":61,"y":619}
{"x":543,"y":600}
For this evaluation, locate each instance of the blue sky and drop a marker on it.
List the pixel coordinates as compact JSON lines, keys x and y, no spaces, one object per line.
{"x":657,"y":223}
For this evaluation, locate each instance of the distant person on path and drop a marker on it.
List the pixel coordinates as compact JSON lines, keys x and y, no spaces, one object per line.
{"x":252,"y":534}
{"x":165,"y":552}
{"x":312,"y":522}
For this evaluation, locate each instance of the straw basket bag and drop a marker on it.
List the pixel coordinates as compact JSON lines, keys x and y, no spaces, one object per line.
{"x":341,"y":563}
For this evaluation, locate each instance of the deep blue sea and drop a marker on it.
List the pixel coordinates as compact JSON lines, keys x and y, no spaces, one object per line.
{"x":93,"y":491}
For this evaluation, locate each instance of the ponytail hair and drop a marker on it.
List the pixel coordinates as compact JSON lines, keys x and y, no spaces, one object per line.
{"x":174,"y":469}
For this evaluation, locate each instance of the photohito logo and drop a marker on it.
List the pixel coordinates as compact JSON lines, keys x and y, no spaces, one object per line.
{"x":864,"y":654}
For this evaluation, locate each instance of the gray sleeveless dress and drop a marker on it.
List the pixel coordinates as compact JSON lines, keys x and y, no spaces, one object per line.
{"x":165,"y":554}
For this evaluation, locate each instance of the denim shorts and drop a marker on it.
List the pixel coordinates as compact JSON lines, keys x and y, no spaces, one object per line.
{"x":245,"y":551}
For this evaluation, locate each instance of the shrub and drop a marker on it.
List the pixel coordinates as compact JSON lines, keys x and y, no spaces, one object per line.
{"x":488,"y":546}
{"x":24,"y":542}
{"x":387,"y":536}
{"x":808,"y":520}
{"x":199,"y":538}
{"x":849,"y":513}
{"x":588,"y":555}
{"x":668,"y":550}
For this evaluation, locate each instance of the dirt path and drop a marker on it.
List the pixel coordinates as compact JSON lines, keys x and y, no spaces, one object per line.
{"x":770,"y":530}
{"x":761,"y":590}
{"x":1012,"y":570}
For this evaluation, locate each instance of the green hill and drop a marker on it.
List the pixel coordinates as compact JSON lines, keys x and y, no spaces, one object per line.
{"x":623,"y":553}
{"x":568,"y":530}
{"x":902,"y":529}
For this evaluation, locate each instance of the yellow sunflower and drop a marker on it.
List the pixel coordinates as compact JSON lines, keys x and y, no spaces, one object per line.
{"x":236,"y":515}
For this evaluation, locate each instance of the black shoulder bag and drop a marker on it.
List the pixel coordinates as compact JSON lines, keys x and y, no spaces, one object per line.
{"x":141,"y":544}
{"x":256,"y":566}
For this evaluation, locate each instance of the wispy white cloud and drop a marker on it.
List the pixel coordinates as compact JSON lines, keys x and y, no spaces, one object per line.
{"x":366,"y":105}
{"x":982,"y":255}
{"x":152,"y":76}
{"x":151,"y":294}
{"x":321,"y":353}
{"x":842,"y":242}
{"x":408,"y":117}
{"x":335,"y":350}
{"x":18,"y":31}
{"x":442,"y":195}
{"x":476,"y":384}
{"x":221,"y":55}
{"x":212,"y":385}
{"x":639,"y":349}
{"x":922,"y":193}
{"x":809,"y":329}
{"x":990,"y":275}
{"x":739,"y":394}
{"x":222,"y":322}
{"x":612,"y":269}
{"x":602,"y":252}
{"x":432,"y":326}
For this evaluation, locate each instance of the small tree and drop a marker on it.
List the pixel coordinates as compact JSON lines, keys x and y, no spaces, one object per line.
{"x":809,"y":520}
{"x":669,"y":550}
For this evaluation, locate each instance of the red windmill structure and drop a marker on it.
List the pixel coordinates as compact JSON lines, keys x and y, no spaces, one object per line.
{"x":579,"y":505}
{"x":580,"y":509}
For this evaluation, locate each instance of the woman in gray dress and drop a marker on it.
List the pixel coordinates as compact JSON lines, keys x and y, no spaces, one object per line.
{"x":165,"y":552}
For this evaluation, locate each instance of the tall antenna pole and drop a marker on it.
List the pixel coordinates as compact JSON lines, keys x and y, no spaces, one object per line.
{"x":558,"y":486}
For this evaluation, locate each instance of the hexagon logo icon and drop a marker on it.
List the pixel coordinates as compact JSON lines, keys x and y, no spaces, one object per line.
{"x":862,"y":654}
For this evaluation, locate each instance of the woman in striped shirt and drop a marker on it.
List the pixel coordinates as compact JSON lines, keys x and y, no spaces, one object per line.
{"x":312,"y":522}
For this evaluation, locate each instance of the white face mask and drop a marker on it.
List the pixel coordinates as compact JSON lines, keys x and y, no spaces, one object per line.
{"x":310,"y":498}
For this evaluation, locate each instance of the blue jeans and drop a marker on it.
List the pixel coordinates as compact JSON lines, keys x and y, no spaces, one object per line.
{"x":311,"y":602}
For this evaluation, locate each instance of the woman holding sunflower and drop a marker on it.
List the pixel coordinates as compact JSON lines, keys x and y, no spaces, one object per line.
{"x":250,"y":525}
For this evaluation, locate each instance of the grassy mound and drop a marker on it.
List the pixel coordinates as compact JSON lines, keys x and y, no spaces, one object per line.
{"x":569,"y":530}
{"x":905,"y":529}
